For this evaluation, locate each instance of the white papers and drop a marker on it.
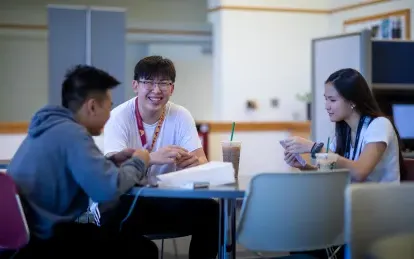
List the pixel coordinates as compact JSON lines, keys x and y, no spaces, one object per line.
{"x":214,"y":173}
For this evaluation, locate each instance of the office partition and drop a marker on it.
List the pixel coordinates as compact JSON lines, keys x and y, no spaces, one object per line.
{"x":85,"y":35}
{"x":66,"y":45}
{"x":330,"y":54}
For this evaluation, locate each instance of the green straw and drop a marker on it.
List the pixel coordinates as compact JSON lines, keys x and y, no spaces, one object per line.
{"x":232,"y":131}
{"x":327,"y":147}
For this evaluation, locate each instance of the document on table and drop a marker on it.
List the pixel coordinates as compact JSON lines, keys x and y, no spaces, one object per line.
{"x":214,"y":173}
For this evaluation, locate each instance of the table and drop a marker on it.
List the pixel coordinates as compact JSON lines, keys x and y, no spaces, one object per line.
{"x":227,"y":196}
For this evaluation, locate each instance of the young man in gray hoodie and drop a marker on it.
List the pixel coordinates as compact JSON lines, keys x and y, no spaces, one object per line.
{"x":58,"y":168}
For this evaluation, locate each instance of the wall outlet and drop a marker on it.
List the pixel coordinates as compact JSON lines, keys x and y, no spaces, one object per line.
{"x":274,"y":102}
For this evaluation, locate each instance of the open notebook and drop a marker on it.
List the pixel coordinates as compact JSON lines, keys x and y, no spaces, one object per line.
{"x":214,"y":173}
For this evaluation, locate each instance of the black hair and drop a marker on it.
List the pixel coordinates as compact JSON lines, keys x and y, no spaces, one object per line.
{"x":353,"y":87}
{"x":81,"y":82}
{"x":154,"y":66}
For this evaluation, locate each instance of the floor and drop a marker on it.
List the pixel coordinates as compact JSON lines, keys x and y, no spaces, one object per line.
{"x":183,"y":244}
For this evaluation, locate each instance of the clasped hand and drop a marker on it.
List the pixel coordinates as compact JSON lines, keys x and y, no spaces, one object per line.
{"x":174,"y":154}
{"x":165,"y":155}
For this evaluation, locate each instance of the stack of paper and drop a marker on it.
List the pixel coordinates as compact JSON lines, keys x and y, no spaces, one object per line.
{"x":214,"y":173}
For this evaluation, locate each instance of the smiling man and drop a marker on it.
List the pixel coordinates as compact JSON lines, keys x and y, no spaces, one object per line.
{"x":169,"y":132}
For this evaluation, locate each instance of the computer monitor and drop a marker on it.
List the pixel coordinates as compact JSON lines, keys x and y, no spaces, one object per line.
{"x":399,"y":106}
{"x":402,"y":114}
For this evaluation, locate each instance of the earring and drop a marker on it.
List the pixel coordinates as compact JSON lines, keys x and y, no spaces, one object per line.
{"x":352,"y":107}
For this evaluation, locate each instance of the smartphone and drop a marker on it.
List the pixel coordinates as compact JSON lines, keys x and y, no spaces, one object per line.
{"x":297,"y":156}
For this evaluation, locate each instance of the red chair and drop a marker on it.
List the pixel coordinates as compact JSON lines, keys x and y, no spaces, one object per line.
{"x":14,"y":231}
{"x":409,"y":165}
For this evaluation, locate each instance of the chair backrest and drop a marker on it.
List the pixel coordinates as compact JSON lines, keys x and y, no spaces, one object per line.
{"x":293,"y":211}
{"x":409,"y":165}
{"x":3,"y":165}
{"x":399,"y":246}
{"x":375,"y":211}
{"x":14,"y":232}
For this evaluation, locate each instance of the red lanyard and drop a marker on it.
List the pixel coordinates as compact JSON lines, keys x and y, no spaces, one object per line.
{"x":141,"y":130}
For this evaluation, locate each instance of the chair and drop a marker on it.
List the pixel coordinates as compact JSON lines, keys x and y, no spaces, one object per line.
{"x":399,"y":246}
{"x":14,"y":231}
{"x":162,"y":237}
{"x":293,"y":211}
{"x":409,"y":165}
{"x":4,"y":164}
{"x":375,"y":211}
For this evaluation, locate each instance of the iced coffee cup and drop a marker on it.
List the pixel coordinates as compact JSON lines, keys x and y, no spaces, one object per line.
{"x":326,"y":161}
{"x":231,"y":153}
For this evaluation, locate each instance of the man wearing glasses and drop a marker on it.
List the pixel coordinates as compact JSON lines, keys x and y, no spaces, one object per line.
{"x":169,"y":132}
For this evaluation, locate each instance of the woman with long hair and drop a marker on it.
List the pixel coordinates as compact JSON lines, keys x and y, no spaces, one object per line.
{"x":366,"y":142}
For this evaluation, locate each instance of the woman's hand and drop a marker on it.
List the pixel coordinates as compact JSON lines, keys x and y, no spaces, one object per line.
{"x":291,"y":160}
{"x":298,"y":145}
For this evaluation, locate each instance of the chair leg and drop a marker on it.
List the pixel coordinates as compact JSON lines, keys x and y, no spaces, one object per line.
{"x":175,"y":248}
{"x":162,"y":249}
{"x":333,"y":253}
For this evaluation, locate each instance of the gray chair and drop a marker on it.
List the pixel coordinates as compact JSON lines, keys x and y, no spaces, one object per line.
{"x":293,"y":211}
{"x":376,"y":211}
{"x":399,"y":246}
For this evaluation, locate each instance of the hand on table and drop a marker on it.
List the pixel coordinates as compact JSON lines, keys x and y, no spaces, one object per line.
{"x":168,"y":155}
{"x":298,"y":145}
{"x":291,"y":160}
{"x":188,"y":161}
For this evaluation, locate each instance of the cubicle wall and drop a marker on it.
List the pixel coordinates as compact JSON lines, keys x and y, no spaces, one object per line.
{"x":88,"y":36}
{"x":330,"y":54}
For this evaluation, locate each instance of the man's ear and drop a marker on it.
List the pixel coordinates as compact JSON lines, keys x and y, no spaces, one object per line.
{"x":172,"y":89}
{"x":135,"y":86}
{"x":91,"y":106}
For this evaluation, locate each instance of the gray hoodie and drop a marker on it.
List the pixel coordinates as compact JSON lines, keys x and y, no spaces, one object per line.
{"x":58,"y":168}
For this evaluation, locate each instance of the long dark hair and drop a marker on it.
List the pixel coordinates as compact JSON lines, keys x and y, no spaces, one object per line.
{"x":353,"y":87}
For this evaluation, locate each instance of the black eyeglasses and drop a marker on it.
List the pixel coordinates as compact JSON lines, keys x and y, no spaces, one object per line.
{"x":150,"y":85}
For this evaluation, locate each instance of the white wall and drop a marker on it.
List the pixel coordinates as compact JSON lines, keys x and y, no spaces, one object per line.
{"x":263,"y":55}
{"x":23,"y":76}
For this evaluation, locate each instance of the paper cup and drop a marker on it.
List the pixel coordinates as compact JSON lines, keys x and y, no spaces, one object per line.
{"x":326,"y":161}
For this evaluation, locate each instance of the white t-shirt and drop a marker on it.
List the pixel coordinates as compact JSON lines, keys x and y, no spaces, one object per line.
{"x":380,"y":130}
{"x":121,"y":131}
